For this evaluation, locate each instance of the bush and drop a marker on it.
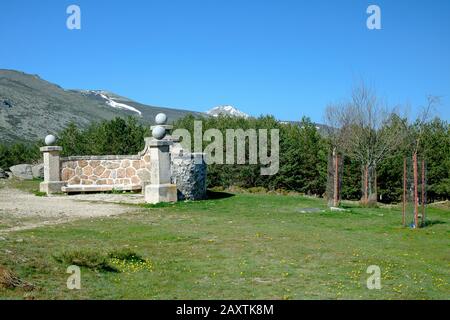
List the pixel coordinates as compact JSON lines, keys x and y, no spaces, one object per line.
{"x":303,"y":155}
{"x":89,"y":259}
{"x":115,"y":137}
{"x":114,"y":261}
{"x":19,"y":153}
{"x":125,"y":255}
{"x":257,"y":190}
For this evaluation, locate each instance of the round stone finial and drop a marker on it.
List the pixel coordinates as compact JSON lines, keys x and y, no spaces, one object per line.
{"x":50,"y":139}
{"x":161,"y":118}
{"x":158,"y":132}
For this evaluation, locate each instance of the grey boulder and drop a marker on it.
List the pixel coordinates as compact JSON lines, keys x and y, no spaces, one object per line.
{"x":3,"y":174}
{"x":38,"y":171}
{"x":22,"y":171}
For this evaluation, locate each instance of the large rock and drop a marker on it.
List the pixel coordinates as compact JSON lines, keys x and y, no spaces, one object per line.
{"x":38,"y":171}
{"x":22,"y":171}
{"x":3,"y":174}
{"x":189,"y":176}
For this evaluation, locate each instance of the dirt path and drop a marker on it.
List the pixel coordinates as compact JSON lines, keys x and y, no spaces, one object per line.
{"x":20,"y":210}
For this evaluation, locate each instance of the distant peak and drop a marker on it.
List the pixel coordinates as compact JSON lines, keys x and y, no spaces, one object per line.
{"x":228,"y":111}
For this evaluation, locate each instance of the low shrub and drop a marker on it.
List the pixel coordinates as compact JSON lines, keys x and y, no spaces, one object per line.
{"x":89,"y":259}
{"x":125,"y":255}
{"x":117,"y":260}
{"x":257,"y":190}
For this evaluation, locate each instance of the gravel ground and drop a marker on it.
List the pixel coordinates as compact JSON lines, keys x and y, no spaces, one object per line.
{"x":16,"y":205}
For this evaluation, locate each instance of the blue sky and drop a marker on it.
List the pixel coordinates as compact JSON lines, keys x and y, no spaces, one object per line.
{"x":286,"y":58}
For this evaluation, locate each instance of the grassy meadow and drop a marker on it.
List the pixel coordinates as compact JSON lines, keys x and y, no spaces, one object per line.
{"x":235,"y":246}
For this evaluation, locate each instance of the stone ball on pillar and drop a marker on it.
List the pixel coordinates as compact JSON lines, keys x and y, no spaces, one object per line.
{"x":161,"y":119}
{"x":158,"y":132}
{"x":50,"y":140}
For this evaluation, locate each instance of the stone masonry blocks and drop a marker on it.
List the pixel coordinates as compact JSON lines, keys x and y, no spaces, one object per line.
{"x":134,"y":172}
{"x":103,"y":172}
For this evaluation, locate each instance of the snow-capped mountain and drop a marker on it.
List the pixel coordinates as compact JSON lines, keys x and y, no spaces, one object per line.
{"x":109,"y":99}
{"x":31,"y":107}
{"x":227,"y":110}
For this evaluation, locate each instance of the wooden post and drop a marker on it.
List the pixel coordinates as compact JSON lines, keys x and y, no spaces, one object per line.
{"x":404,"y":193}
{"x":416,"y":192}
{"x":423,"y":191}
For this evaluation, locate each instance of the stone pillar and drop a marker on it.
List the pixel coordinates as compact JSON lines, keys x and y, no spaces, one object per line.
{"x":52,"y":172}
{"x":160,"y":188}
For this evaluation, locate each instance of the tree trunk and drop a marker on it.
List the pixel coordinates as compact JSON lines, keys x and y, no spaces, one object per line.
{"x":369,"y":178}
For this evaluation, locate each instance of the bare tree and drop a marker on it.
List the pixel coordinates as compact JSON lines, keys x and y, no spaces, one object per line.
{"x":416,"y":142}
{"x":423,"y":118}
{"x":366,"y":129}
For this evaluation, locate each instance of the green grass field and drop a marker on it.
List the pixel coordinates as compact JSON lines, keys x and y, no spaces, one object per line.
{"x":243,"y":246}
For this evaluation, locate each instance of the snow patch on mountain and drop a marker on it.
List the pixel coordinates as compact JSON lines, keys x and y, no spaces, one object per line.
{"x":109,"y":100}
{"x":118,"y":105}
{"x":227,"y":110}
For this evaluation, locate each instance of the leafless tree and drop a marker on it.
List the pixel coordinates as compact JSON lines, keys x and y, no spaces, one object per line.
{"x":423,"y":118}
{"x":416,"y":136}
{"x":366,"y":129}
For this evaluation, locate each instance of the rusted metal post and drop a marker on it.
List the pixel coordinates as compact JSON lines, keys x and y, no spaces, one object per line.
{"x":404,"y":193}
{"x":336,"y":180}
{"x":423,"y":191}
{"x":416,"y":193}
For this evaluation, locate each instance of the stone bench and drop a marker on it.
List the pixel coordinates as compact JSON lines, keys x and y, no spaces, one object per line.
{"x":100,"y":188}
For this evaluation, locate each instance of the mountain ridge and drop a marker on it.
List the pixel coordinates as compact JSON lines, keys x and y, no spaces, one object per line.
{"x":32,"y":107}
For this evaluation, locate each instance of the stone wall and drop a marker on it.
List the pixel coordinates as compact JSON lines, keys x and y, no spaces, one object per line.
{"x":160,"y":170}
{"x":121,"y":172}
{"x":189,"y":176}
{"x":132,"y":172}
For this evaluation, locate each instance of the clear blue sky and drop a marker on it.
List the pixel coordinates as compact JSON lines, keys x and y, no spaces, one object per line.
{"x":287,"y":58}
